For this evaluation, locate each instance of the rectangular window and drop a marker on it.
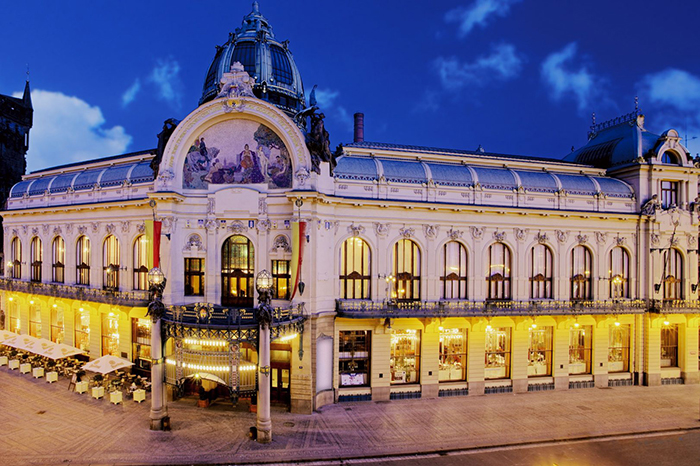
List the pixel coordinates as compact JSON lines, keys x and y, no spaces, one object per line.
{"x":82,"y":329}
{"x":110,"y":334}
{"x":141,"y":343}
{"x":35,"y":321}
{"x":497,"y":347}
{"x":194,"y":277}
{"x":619,"y":348}
{"x":57,"y":327}
{"x":669,"y":346}
{"x":669,"y":194}
{"x":14,"y":317}
{"x":354,"y":357}
{"x":405,"y":356}
{"x":540,"y":352}
{"x":280,"y":279}
{"x":453,"y":354}
{"x":580,"y":339}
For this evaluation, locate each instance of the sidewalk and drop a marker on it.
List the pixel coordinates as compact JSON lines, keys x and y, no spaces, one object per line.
{"x":43,"y":423}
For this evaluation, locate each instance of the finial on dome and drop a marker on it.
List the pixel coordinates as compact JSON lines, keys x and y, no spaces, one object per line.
{"x":636,"y":103}
{"x":256,"y":7}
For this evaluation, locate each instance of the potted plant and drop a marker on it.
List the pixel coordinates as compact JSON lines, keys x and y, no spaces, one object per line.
{"x":203,"y":401}
{"x":98,"y":390}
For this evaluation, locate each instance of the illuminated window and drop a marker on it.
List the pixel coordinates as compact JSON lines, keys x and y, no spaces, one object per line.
{"x":354,"y":355}
{"x":673,"y":279}
{"x":194,"y":277}
{"x":16,"y":258}
{"x":280,"y":279}
{"x":580,"y":346}
{"x":237,"y":272}
{"x":141,"y":343}
{"x":454,"y":271}
{"x":36,"y":255}
{"x":356,"y":269}
{"x":669,"y":194}
{"x":540,"y":352}
{"x":141,"y":263}
{"x":110,"y":334}
{"x":619,"y":348}
{"x":581,"y":276}
{"x":498,"y":277}
{"x":82,"y":261}
{"x":453,"y":354}
{"x":58,"y":260}
{"x":619,"y":273}
{"x":110,"y":263}
{"x":497,"y":346}
{"x":35,"y":320}
{"x":405,"y":356}
{"x":82,"y":330}
{"x":406,"y":271}
{"x":57,"y":325}
{"x":14,"y":316}
{"x":669,"y":345}
{"x":541,"y":272}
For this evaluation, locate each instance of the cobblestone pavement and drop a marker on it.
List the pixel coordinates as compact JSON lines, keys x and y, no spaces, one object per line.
{"x":43,"y":423}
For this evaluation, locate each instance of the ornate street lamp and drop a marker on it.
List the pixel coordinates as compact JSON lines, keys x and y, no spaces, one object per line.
{"x":156,"y":309}
{"x":263,"y":283}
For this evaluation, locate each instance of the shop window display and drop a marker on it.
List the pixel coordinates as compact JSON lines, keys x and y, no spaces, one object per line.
{"x":405,"y":356}
{"x":453,"y":354}
{"x":110,"y":334}
{"x":580,"y":338}
{"x":669,"y":346}
{"x":497,"y":353}
{"x":14,"y":317}
{"x":141,"y":343}
{"x":57,"y":327}
{"x":82,"y":329}
{"x":354,"y":357}
{"x":619,"y":348}
{"x":540,"y":352}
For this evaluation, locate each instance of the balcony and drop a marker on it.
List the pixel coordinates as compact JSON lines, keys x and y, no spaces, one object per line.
{"x":77,"y":292}
{"x":358,"y":309}
{"x":674,"y":306}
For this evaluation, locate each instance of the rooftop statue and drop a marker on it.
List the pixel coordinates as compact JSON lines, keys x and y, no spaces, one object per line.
{"x":169,"y":126}
{"x":651,"y":206}
{"x":318,"y":143}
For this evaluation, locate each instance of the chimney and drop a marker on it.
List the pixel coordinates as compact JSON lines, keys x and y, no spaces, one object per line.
{"x":359,"y":128}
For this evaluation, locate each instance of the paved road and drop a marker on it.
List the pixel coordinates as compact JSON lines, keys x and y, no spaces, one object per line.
{"x":44,"y":423}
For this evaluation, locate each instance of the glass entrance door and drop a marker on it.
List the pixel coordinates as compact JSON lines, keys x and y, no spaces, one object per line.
{"x":279,"y":381}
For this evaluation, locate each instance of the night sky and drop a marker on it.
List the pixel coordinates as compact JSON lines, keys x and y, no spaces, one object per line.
{"x":516,"y":76}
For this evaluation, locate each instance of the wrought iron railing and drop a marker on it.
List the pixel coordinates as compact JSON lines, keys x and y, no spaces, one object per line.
{"x":136,"y":298}
{"x":674,"y":306}
{"x":366,"y":308}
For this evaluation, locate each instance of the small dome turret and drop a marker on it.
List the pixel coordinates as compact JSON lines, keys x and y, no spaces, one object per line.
{"x":268,"y":61}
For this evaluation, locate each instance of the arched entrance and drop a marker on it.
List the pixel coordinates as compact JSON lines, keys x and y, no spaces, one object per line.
{"x":237,"y":272}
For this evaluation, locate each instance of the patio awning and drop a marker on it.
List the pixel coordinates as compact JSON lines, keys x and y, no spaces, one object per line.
{"x":39,"y":346}
{"x":6,"y":335}
{"x":24,"y":343}
{"x":107,"y":364}
{"x":59,"y":350}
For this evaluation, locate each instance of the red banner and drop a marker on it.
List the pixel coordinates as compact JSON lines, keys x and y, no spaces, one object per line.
{"x":298,"y":242}
{"x":156,"y":243}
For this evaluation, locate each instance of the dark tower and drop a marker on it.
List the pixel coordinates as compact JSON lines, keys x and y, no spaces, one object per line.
{"x":16,"y":115}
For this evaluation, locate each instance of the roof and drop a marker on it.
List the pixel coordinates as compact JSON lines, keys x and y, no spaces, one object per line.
{"x":363,"y":168}
{"x":110,"y":158}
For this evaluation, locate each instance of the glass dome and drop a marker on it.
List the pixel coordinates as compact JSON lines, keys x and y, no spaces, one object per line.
{"x":268,"y":61}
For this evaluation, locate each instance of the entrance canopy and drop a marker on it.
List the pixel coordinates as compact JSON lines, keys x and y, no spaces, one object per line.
{"x":107,"y":364}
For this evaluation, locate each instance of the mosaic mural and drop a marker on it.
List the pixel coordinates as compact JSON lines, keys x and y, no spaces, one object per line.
{"x":237,"y":152}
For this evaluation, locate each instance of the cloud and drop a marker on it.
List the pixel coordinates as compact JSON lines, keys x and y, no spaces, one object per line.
{"x":479,"y":13}
{"x":130,"y":94}
{"x":673,"y":98}
{"x":564,"y":81}
{"x":502,"y":64}
{"x":166,"y":77}
{"x":326,"y":101}
{"x":67,"y":129}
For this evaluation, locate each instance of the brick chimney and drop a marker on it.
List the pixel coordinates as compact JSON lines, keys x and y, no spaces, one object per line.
{"x":359,"y":135}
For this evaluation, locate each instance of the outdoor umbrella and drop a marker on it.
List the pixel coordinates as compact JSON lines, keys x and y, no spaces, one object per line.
{"x":24,"y":342}
{"x":209,"y":381}
{"x":5,"y":335}
{"x":59,"y":350}
{"x":107,"y":364}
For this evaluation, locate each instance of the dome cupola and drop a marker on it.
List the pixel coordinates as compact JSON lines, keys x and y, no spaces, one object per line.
{"x":268,"y":61}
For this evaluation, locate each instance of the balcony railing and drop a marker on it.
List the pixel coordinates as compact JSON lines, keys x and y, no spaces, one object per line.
{"x":675,"y":306}
{"x":365,"y":308}
{"x":78,"y":292}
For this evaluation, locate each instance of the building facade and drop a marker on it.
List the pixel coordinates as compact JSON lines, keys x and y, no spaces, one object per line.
{"x":426,"y":272}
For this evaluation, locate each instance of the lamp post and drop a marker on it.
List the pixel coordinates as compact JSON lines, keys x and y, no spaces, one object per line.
{"x":263,"y":283}
{"x":156,"y":309}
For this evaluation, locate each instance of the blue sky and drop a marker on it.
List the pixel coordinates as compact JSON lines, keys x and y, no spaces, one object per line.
{"x":516,"y":76}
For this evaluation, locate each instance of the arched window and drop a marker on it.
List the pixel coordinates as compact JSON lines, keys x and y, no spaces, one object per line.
{"x":541,"y":272}
{"x":16,"y":258}
{"x":454,"y":271}
{"x":669,"y":157}
{"x":581,"y":273}
{"x":498,"y":276}
{"x":355,"y":269}
{"x":237,"y":272}
{"x":619,"y":273}
{"x":82,"y":261}
{"x":35,"y":252}
{"x":673,"y":275}
{"x":141,"y":263}
{"x":58,"y":260}
{"x":110,"y":263}
{"x":407,"y":271}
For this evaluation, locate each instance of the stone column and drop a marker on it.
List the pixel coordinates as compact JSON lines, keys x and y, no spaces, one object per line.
{"x":264,"y":423}
{"x":159,"y":408}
